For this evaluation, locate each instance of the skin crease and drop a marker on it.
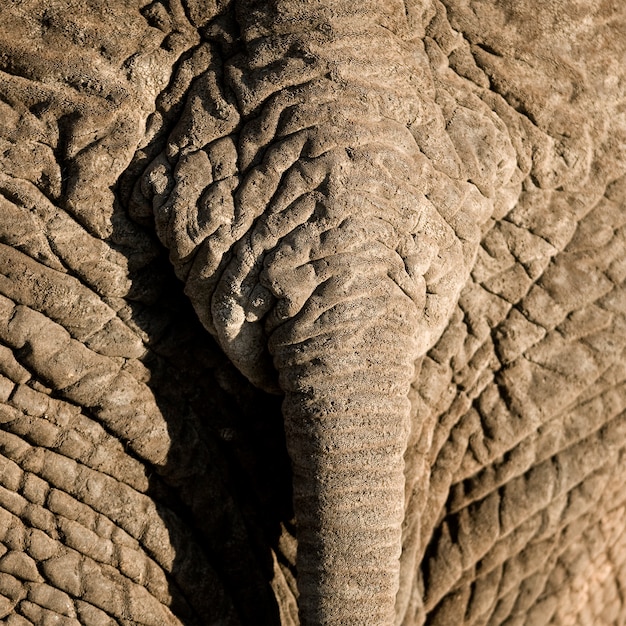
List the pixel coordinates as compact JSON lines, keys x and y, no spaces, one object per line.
{"x":403,"y":225}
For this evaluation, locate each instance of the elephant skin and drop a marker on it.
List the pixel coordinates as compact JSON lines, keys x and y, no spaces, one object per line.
{"x":368,"y":258}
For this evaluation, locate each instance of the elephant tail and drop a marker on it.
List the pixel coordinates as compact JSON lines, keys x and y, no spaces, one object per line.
{"x":345,"y":364}
{"x":326,"y":253}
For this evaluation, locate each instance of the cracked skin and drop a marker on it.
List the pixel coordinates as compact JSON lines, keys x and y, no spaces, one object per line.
{"x":312,"y":313}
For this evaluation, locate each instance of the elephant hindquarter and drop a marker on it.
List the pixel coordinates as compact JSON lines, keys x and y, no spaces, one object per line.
{"x":317,"y":241}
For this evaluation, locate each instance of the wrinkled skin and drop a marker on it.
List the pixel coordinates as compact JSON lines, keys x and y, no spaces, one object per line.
{"x":368,"y":259}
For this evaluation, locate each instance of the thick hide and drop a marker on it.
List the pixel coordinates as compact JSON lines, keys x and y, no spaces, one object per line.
{"x":312,"y":312}
{"x":322,"y":243}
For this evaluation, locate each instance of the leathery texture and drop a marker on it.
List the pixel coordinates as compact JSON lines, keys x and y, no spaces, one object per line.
{"x":513,"y":512}
{"x":520,"y":406}
{"x":311,"y":229}
{"x":111,"y":484}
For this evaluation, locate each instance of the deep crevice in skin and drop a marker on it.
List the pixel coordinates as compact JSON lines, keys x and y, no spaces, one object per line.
{"x":563,"y":539}
{"x":451,"y":522}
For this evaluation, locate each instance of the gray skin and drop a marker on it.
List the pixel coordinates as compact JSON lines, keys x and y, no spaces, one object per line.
{"x":402,"y":224}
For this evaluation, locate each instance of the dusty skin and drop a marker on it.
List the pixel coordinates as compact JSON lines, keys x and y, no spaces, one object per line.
{"x":332,"y":282}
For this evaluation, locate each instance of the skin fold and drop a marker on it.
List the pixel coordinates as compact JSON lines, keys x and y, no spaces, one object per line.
{"x":312,"y":313}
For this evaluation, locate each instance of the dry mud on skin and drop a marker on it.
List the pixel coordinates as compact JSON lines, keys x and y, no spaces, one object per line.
{"x":407,"y":219}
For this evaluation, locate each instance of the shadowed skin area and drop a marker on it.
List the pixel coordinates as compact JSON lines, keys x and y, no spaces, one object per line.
{"x":403,"y":224}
